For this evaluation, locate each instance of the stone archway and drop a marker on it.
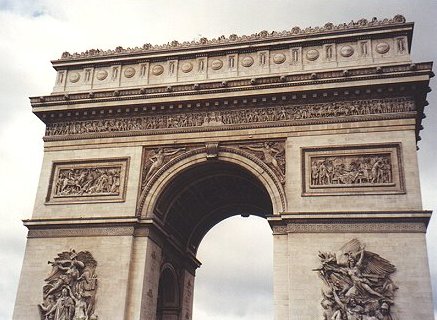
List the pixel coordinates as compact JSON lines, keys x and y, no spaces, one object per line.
{"x":193,"y":200}
{"x":168,"y":294}
{"x":140,"y":143}
{"x":232,"y":155}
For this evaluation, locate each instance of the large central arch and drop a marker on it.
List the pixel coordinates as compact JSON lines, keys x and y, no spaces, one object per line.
{"x":147,"y":148}
{"x":196,"y":199}
{"x":194,"y":193}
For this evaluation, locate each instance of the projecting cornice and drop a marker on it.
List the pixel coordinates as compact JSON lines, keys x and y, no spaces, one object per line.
{"x":223,"y":60}
{"x":263,"y":36}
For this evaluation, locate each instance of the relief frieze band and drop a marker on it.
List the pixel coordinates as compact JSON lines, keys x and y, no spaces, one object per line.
{"x":285,"y":114}
{"x":352,"y":170}
{"x":88,"y":181}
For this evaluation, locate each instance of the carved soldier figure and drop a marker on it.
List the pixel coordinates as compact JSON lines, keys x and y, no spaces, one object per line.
{"x":80,"y":307}
{"x":384,"y":312}
{"x":63,"y":308}
{"x":358,"y":283}
{"x":45,"y":307}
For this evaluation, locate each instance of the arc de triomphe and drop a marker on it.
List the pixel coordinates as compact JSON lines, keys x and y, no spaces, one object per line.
{"x":148,"y":148}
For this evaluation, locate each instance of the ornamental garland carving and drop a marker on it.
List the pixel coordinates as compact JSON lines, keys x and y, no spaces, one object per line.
{"x":352,"y":169}
{"x":271,"y":153}
{"x":233,"y":38}
{"x":205,"y":119}
{"x":69,"y":292}
{"x":88,"y":181}
{"x":356,"y":284}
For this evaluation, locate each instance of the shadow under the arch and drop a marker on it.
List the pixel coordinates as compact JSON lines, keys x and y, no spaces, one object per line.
{"x":205,"y":194}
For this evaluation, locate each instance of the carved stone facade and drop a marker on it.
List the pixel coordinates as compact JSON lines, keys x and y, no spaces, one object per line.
{"x":366,"y":169}
{"x":147,"y":67}
{"x":314,"y":130}
{"x":286,"y":114}
{"x":263,"y":35}
{"x":356,"y":283}
{"x":85,"y":181}
{"x":271,"y":153}
{"x":70,"y":289}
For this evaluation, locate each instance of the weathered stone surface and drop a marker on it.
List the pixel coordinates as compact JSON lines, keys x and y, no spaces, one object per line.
{"x":148,"y":148}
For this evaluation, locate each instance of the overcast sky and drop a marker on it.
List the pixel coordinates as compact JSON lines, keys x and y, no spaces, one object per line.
{"x":237,"y":251}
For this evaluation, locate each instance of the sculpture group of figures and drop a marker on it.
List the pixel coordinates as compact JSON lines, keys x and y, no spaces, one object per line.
{"x":234,"y":117}
{"x":369,"y":169}
{"x":356,"y":284}
{"x":88,"y":181}
{"x":70,"y":289}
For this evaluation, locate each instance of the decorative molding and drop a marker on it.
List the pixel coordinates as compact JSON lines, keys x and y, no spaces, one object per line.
{"x":70,"y":289}
{"x":222,"y":40}
{"x":356,"y":283}
{"x":346,"y":170}
{"x":285,"y":114}
{"x":82,"y":231}
{"x":358,"y":227}
{"x":88,"y":181}
{"x":242,"y":84}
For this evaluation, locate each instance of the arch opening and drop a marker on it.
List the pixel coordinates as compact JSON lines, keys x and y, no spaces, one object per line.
{"x":205,"y":194}
{"x":236,"y":272}
{"x":168,"y":295}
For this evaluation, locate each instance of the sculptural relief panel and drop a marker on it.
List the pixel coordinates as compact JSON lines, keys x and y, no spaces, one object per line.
{"x":272,"y":153}
{"x":88,"y":181}
{"x":352,"y":170}
{"x":69,"y":292}
{"x":357,"y":283}
{"x":269,"y":116}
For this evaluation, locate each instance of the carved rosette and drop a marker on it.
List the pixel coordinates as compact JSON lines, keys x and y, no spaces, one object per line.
{"x":70,"y":289}
{"x":272,"y":153}
{"x":362,"y":23}
{"x":356,"y":283}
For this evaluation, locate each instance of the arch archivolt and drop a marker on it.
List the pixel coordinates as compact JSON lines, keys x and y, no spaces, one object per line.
{"x":191,"y":156}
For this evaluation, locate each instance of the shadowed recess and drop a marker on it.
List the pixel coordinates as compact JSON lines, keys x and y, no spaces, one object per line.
{"x":203,"y":195}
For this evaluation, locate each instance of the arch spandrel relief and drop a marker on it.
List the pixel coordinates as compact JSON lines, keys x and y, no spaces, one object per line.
{"x":267,"y":155}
